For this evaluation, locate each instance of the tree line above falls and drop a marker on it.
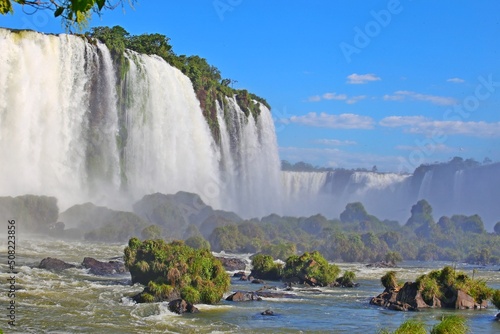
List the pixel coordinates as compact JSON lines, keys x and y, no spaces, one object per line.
{"x":356,"y":236}
{"x":209,"y":85}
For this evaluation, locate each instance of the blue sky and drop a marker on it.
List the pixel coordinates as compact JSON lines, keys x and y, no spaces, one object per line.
{"x":351,"y":83}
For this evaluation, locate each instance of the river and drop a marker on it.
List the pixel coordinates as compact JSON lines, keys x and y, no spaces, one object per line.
{"x":74,"y":301}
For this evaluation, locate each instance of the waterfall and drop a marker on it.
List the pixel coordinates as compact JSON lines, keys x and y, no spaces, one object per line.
{"x":76,"y":126}
{"x":250,"y":161}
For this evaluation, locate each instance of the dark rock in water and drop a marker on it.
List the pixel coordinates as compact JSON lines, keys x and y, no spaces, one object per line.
{"x":242,"y":296}
{"x":50,"y":263}
{"x":243,"y":278}
{"x":181,"y":306}
{"x":497,"y":317}
{"x":409,"y":298}
{"x":258,"y":281}
{"x":231,"y":264}
{"x":103,"y":268}
{"x":267,"y":312}
{"x":269,"y":294}
{"x":381,"y":264}
{"x":239,"y":274}
{"x":140,"y":297}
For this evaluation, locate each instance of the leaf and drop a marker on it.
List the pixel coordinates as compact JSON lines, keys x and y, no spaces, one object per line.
{"x":100,"y":3}
{"x":58,"y":11}
{"x":5,"y":6}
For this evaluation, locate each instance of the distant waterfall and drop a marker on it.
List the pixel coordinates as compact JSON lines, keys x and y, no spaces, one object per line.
{"x":69,"y":128}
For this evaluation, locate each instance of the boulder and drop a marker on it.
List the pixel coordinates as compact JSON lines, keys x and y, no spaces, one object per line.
{"x":381,"y":264}
{"x":232,"y":264}
{"x":239,"y":274}
{"x":103,"y":268}
{"x":258,"y":281}
{"x":54,"y":264}
{"x":181,"y":306}
{"x":267,"y":312}
{"x":242,"y":296}
{"x":465,"y":301}
{"x":409,"y":298}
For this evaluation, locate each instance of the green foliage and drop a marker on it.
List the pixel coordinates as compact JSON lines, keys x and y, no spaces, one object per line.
{"x":264,"y":267}
{"x":173,"y":268}
{"x":312,"y":268}
{"x":73,"y":12}
{"x":281,"y":250}
{"x":347,"y":279}
{"x":151,"y":232}
{"x":497,"y":228}
{"x":197,"y":242}
{"x":354,"y":212}
{"x":437,"y":282}
{"x":411,"y":326}
{"x":389,"y":280}
{"x":393,"y":257}
{"x":429,"y":288}
{"x":495,"y":298}
{"x":451,"y":324}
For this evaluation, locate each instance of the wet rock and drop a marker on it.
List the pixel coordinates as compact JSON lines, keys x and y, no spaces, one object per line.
{"x":381,"y":264}
{"x":103,"y":268}
{"x":181,"y":306}
{"x":231,"y":264}
{"x":54,"y":264}
{"x":258,"y":281}
{"x":242,"y":296}
{"x":267,"y":312}
{"x":239,"y":274}
{"x":409,"y":298}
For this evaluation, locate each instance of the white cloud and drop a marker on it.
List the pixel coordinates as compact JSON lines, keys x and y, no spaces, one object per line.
{"x":337,"y":97}
{"x":342,"y":121}
{"x":355,"y":99}
{"x":456,"y":80}
{"x":314,"y":98}
{"x":335,"y":142}
{"x":401,"y":95}
{"x":356,"y":79}
{"x":334,"y":96}
{"x":429,"y":127}
{"x":429,"y":148}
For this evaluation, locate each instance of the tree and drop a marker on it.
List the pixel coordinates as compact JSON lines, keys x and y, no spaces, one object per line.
{"x":393,"y":257}
{"x":72,"y":12}
{"x":151,"y":232}
{"x":354,"y":212}
{"x":497,"y":228}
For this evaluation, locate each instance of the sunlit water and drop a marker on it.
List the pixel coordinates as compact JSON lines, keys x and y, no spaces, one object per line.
{"x":75,"y":301}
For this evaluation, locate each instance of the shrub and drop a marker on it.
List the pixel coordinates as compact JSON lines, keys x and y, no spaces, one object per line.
{"x":175,"y":269}
{"x":451,"y":324}
{"x":264,"y":267}
{"x":495,"y":299}
{"x":311,"y":268}
{"x":411,"y":326}
{"x":389,"y":280}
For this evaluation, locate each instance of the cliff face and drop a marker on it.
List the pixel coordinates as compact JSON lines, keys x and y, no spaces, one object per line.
{"x":82,"y":124}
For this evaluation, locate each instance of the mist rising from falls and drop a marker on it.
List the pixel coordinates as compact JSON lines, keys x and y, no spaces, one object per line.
{"x":308,"y":193}
{"x":70,"y":128}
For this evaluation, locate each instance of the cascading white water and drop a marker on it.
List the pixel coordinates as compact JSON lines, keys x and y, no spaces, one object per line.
{"x":169,"y":146}
{"x":251,"y":163}
{"x":66,"y":132}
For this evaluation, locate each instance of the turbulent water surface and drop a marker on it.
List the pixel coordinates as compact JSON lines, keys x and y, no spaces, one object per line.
{"x":75,"y":301}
